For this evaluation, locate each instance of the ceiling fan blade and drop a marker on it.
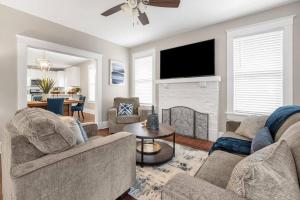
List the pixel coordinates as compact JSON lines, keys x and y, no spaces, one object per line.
{"x":163,"y":3}
{"x":113,"y":10}
{"x":143,"y":18}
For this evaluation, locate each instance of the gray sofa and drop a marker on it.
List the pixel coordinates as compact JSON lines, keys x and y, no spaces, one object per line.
{"x":101,"y":168}
{"x":116,"y":123}
{"x":211,"y":180}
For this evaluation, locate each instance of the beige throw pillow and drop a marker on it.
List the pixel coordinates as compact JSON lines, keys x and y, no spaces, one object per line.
{"x":73,"y":125}
{"x":45,"y":130}
{"x":251,"y":125}
{"x":269,"y":173}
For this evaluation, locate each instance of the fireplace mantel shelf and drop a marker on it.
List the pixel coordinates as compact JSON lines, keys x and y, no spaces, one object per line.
{"x":190,"y":80}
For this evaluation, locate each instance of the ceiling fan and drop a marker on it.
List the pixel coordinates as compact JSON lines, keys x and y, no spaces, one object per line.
{"x":138,"y":7}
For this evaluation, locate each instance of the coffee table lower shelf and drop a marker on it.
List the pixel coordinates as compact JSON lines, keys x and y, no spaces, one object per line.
{"x":165,"y":154}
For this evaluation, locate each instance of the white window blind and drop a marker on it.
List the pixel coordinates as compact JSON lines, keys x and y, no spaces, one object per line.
{"x":258,"y":73}
{"x":143,"y":76}
{"x":92,"y":83}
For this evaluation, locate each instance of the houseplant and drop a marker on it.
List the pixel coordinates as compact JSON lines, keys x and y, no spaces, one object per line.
{"x":46,"y":84}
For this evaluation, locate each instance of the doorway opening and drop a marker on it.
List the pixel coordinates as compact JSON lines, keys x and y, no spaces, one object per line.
{"x":75,"y":74}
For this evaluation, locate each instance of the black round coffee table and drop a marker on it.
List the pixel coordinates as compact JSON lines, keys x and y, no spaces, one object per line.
{"x":149,"y":151}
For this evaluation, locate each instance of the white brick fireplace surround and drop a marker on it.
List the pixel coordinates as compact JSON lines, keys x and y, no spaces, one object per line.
{"x":200,"y":94}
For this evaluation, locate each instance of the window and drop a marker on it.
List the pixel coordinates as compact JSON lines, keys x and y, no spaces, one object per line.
{"x":259,"y":70}
{"x":143,"y":78}
{"x":92,"y":83}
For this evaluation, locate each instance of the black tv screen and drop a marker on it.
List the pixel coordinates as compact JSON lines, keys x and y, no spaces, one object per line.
{"x":192,"y":60}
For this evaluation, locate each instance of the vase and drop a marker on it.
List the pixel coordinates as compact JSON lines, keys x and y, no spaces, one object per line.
{"x":152,"y":120}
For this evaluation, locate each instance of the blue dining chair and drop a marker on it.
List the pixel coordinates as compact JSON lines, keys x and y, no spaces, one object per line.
{"x":37,"y":98}
{"x":79,"y":107}
{"x":56,"y":105}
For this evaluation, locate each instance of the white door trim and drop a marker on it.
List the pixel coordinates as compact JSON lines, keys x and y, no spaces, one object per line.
{"x":24,"y":42}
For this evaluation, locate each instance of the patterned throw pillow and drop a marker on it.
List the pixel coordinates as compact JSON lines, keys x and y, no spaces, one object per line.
{"x":125,"y":109}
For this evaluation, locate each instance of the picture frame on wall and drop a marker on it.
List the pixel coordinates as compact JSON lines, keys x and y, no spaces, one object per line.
{"x":117,"y":73}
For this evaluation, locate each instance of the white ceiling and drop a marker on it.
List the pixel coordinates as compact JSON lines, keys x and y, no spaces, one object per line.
{"x":84,"y":15}
{"x":58,"y":60}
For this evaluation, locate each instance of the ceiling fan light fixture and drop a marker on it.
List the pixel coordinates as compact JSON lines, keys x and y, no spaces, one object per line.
{"x":132,"y":3}
{"x":125,"y":8}
{"x":142,"y":7}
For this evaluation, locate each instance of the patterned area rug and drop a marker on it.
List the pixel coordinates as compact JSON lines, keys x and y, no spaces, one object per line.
{"x":151,"y":179}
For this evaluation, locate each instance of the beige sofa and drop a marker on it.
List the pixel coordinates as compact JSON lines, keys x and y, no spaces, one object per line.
{"x":116,"y":123}
{"x":102,"y":168}
{"x":211,"y":180}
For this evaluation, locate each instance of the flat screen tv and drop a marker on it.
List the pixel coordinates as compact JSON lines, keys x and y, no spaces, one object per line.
{"x":193,"y":60}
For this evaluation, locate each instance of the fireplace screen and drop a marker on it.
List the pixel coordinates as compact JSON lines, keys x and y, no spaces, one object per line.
{"x":187,"y":121}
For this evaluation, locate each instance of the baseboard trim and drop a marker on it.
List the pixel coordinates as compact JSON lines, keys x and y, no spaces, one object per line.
{"x":103,"y":125}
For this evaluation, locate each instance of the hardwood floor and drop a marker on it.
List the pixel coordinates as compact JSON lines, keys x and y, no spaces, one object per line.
{"x":194,"y":143}
{"x":179,"y":139}
{"x":87,"y":117}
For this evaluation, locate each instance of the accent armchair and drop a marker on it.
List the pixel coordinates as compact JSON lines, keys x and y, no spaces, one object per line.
{"x":116,"y":123}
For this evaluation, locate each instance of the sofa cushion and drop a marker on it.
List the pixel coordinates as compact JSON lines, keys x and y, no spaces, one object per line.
{"x":290,"y":121}
{"x":292,"y":137}
{"x":21,"y":149}
{"x":73,"y":125}
{"x":218,"y":167}
{"x":269,"y":173}
{"x":251,"y":125}
{"x":128,"y":119}
{"x":45,"y":130}
{"x":262,"y":139}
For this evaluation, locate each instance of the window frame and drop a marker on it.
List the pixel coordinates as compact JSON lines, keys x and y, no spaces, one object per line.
{"x":146,"y":53}
{"x":286,"y":25}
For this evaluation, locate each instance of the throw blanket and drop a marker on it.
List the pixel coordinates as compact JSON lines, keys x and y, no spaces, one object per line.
{"x":278,"y":117}
{"x":232,"y":145}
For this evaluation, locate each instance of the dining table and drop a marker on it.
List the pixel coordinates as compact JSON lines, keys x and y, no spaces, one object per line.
{"x":43,"y":104}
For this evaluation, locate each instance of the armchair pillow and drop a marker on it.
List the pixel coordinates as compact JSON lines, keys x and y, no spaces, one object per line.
{"x":125,"y":109}
{"x":269,"y":173}
{"x":251,"y":125}
{"x":44,"y":129}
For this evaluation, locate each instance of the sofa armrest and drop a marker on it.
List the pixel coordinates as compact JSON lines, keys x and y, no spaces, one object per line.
{"x":112,"y":115}
{"x":232,"y":126}
{"x":143,"y":113}
{"x":80,"y":150}
{"x":184,"y":187}
{"x":91,"y":128}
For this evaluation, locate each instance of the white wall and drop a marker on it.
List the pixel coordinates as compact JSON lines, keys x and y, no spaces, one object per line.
{"x":218,"y":32}
{"x":84,"y":77}
{"x":13,"y":22}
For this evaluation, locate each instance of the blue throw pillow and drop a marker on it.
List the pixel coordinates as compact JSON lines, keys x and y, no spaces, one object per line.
{"x":262,"y":139}
{"x":83,"y":133}
{"x":125,"y":109}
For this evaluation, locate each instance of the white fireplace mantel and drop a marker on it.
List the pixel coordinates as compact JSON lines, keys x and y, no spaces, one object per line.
{"x":189,"y":80}
{"x":200,"y":94}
